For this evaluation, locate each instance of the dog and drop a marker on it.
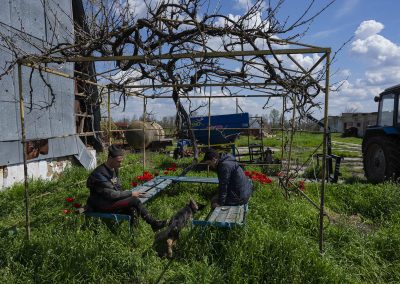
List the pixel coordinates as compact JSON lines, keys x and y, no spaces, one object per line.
{"x":165,"y":240}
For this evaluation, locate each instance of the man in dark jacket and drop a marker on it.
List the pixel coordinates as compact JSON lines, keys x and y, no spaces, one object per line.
{"x":234,"y":187}
{"x":107,"y":195}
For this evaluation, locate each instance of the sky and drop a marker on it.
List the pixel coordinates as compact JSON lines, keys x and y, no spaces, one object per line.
{"x":367,"y":64}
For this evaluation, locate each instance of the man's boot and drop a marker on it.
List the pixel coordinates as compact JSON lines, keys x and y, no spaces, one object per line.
{"x":155,"y":224}
{"x":134,"y":218}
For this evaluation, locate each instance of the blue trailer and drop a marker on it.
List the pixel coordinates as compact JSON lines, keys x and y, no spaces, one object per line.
{"x":224,"y":128}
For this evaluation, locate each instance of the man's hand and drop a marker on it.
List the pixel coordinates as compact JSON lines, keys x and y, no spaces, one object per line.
{"x":137,"y":194}
{"x":214,"y":205}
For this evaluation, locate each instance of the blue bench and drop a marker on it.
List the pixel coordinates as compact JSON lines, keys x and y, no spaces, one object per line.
{"x":149,"y":188}
{"x":116,"y":217}
{"x":152,"y":187}
{"x":176,"y":179}
{"x":225,"y":217}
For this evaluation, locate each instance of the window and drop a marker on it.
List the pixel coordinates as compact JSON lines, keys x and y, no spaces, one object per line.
{"x":398,"y":110}
{"x":358,"y":124}
{"x":386,"y":108}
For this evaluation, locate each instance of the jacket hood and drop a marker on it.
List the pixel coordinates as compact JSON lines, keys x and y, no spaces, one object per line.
{"x":226,"y":157}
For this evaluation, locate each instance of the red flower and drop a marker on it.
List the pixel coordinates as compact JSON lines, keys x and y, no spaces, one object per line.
{"x":301,"y":185}
{"x":165,"y":172}
{"x":267,"y":180}
{"x":173,"y":165}
{"x":77,"y":205}
{"x":66,"y":211}
{"x":247,"y":173}
{"x":173,"y":169}
{"x":134,"y":183}
{"x":69,"y":199}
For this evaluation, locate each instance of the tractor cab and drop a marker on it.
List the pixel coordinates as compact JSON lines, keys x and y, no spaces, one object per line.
{"x":388,"y":110}
{"x":381,"y":143}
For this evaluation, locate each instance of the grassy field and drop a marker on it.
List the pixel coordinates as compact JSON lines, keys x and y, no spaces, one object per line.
{"x":278,"y":244}
{"x":304,"y":139}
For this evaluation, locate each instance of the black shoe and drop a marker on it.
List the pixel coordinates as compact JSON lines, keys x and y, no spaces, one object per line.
{"x":134,"y":222}
{"x":157,"y":225}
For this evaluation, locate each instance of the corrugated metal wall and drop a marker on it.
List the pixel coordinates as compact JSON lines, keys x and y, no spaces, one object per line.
{"x":37,"y":19}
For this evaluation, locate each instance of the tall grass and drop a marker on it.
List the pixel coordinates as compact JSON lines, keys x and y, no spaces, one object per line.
{"x":278,"y":244}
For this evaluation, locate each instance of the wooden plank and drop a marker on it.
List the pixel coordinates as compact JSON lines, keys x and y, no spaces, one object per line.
{"x":222,"y":215}
{"x":228,"y":218}
{"x":116,"y":217}
{"x":191,"y":179}
{"x":152,"y":188}
{"x":240,"y":215}
{"x":232,"y":214}
{"x":214,"y":214}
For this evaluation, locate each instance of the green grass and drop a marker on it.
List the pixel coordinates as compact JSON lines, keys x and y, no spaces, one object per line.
{"x":354,"y":140}
{"x":278,"y":244}
{"x":305,"y":139}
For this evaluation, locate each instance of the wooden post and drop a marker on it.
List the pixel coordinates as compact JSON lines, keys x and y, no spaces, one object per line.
{"x":282,"y":129}
{"x":209,"y":127}
{"x":24,"y":155}
{"x":209,"y":121}
{"x":144,"y":133}
{"x":323,"y":181}
{"x":109,"y":116}
{"x":291,"y":136}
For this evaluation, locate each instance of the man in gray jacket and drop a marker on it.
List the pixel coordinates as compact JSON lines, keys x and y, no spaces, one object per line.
{"x":234,"y":187}
{"x":107,"y":195}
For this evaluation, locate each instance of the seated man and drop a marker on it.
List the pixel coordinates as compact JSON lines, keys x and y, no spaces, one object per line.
{"x":234,"y":187}
{"x":107,"y":195}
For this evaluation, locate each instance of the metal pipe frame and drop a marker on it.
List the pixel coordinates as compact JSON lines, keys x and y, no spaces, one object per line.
{"x":33,"y":61}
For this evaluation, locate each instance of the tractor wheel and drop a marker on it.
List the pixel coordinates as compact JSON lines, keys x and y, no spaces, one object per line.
{"x":381,"y":158}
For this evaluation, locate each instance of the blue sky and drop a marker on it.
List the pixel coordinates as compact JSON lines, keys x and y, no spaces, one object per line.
{"x":372,"y":58}
{"x":368,"y":64}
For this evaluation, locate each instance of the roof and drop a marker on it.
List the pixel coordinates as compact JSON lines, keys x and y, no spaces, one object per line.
{"x":395,"y":87}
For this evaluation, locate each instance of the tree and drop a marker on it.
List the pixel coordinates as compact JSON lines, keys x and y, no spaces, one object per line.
{"x":274,"y":118}
{"x":157,"y":38}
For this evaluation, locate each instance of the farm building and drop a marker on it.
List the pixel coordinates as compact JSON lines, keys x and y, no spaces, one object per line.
{"x":57,"y":118}
{"x":358,"y":120}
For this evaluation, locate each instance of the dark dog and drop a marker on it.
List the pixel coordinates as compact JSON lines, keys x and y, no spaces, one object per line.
{"x":165,"y":240}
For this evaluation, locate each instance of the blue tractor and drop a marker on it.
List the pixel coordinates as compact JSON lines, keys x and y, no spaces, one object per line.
{"x":381,"y":143}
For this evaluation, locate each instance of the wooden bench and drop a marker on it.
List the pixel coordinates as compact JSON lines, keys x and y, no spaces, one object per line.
{"x":225,"y":217}
{"x":149,"y":188}
{"x":152,"y":187}
{"x":176,"y":179}
{"x":113,"y":216}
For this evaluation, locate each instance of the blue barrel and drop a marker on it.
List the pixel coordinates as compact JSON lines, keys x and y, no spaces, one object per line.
{"x":219,"y":124}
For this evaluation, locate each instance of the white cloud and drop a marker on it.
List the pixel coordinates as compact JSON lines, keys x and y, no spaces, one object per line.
{"x":386,"y":76}
{"x":380,"y":55}
{"x":377,"y":49}
{"x":243,"y":4}
{"x":344,"y":73}
{"x":138,"y":8}
{"x":368,"y":28}
{"x":347,"y":7}
{"x":357,"y":96}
